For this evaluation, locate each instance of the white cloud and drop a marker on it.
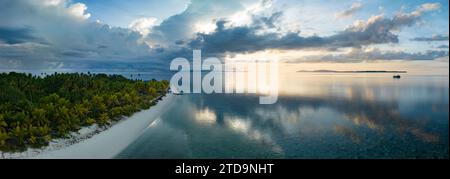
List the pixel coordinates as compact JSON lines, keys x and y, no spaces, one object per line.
{"x":245,"y":16}
{"x":78,"y":10}
{"x":198,"y":16}
{"x":349,"y":12}
{"x":143,"y":25}
{"x":53,"y":2}
{"x":426,"y":7}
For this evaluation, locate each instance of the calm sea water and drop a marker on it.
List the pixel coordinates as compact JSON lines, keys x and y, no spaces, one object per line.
{"x":316,"y":116}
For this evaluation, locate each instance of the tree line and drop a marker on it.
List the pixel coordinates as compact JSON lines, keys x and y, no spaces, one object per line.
{"x":34,"y":110}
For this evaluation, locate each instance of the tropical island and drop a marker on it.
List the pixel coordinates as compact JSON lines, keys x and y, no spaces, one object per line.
{"x":34,"y":110}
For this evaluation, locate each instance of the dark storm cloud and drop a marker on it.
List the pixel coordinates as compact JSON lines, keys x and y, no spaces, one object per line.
{"x":376,"y":30}
{"x":11,"y":35}
{"x":179,"y":42}
{"x":245,"y":39}
{"x":432,"y":38}
{"x":34,"y":34}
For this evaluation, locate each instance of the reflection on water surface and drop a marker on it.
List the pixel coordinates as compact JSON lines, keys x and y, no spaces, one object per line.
{"x":316,"y":116}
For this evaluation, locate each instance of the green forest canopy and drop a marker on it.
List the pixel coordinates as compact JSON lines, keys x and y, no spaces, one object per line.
{"x":34,"y":110}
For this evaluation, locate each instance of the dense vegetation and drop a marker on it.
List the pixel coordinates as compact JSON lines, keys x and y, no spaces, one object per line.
{"x":33,"y":110}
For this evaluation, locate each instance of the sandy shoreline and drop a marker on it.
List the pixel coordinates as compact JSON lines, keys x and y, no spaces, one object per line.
{"x":98,"y":143}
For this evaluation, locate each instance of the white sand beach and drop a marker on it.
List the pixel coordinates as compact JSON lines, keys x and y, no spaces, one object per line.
{"x":93,"y":144}
{"x":110,"y":142}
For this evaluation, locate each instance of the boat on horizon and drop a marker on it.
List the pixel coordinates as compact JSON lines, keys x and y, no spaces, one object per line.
{"x":176,"y":92}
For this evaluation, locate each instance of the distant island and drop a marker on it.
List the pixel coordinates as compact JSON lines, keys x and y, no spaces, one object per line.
{"x":359,"y":71}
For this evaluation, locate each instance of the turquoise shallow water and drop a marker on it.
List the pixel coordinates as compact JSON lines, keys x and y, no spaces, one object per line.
{"x":316,"y":116}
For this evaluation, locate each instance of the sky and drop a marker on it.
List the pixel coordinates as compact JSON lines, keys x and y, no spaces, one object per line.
{"x":145,"y":35}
